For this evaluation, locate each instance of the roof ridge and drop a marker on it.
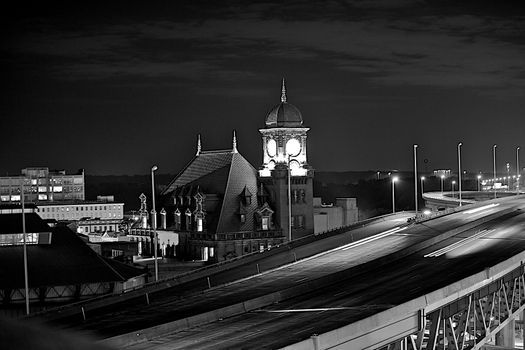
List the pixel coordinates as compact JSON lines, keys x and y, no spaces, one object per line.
{"x":219,"y":222}
{"x":217,"y":151}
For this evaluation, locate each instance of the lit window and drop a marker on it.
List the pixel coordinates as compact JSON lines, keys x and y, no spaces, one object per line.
{"x":265,"y":223}
{"x":57,"y":189}
{"x":199,"y":225}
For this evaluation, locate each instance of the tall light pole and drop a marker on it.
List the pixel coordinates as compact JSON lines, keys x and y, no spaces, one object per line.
{"x":479,"y":180}
{"x":289,"y":201}
{"x":494,"y":156}
{"x":394,"y":179}
{"x":415,"y":177}
{"x":26,"y":279}
{"x":154,"y":222}
{"x":517,"y":170}
{"x":452,"y":185}
{"x":442,"y":180}
{"x":422,"y":180}
{"x":459,"y":172}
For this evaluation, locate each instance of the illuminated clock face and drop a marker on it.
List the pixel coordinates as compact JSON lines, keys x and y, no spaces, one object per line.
{"x":271,"y":147}
{"x":293,"y":147}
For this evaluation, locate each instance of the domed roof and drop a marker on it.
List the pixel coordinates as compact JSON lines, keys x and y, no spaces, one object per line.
{"x":284,"y":114}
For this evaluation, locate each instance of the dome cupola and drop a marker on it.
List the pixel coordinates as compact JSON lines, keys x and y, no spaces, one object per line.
{"x":284,"y":115}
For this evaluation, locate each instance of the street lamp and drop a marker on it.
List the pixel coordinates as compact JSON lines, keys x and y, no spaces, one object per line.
{"x":26,"y":279}
{"x":459,"y":170}
{"x":415,"y":177}
{"x":289,"y":201}
{"x":394,"y":179}
{"x":422,"y":180}
{"x":517,"y":170}
{"x":494,"y":155}
{"x":452,"y":185}
{"x":442,"y":179}
{"x":154,"y":221}
{"x":479,"y":180}
{"x":508,"y":176}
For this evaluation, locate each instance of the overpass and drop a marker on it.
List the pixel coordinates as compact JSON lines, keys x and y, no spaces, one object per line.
{"x":444,"y":200}
{"x":417,"y":286}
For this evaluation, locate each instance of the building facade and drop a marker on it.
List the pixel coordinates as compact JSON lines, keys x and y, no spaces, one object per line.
{"x":332,"y":216}
{"x":42,"y":185}
{"x":285,"y":171}
{"x":71,"y":211}
{"x":221,"y":207}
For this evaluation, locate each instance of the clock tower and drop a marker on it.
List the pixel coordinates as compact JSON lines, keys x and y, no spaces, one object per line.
{"x":285,"y":170}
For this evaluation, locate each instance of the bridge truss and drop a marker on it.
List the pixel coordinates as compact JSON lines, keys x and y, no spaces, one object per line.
{"x":471,"y":321}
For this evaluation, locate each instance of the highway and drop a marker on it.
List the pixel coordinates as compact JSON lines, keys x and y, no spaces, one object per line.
{"x":363,"y":293}
{"x":185,"y":299}
{"x":346,"y":283}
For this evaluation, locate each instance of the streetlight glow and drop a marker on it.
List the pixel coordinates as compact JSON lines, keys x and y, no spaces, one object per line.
{"x":442,"y":179}
{"x":394,"y":180}
{"x":422,"y":180}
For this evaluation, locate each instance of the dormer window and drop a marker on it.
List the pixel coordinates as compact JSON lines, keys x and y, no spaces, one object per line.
{"x":246,"y":196}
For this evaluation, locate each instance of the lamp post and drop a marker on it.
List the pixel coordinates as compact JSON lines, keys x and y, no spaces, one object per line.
{"x":494,"y":157}
{"x":289,"y":201}
{"x":422,"y":180}
{"x":459,"y":170}
{"x":394,"y":179}
{"x":508,"y":176}
{"x":517,"y":170}
{"x":452,"y":185}
{"x":479,"y":180}
{"x":154,"y":222}
{"x":442,"y":179}
{"x":26,"y":279}
{"x":415,"y":177}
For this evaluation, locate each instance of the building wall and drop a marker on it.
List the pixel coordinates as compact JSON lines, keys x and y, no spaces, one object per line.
{"x":328,"y":217}
{"x":42,"y":185}
{"x":79,"y":210}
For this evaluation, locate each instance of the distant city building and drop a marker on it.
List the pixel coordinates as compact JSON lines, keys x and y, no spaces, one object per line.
{"x":442,"y":172}
{"x":42,"y":185}
{"x":331,"y":216}
{"x":68,"y":211}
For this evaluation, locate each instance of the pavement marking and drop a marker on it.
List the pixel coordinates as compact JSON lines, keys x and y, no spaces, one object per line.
{"x":458,"y":244}
{"x":373,"y":238}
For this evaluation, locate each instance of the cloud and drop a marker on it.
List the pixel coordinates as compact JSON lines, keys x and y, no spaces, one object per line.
{"x":430,"y":50}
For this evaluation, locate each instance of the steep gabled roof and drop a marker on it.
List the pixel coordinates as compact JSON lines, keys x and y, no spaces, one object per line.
{"x":226,"y":174}
{"x":201,"y":165}
{"x":242,"y":176}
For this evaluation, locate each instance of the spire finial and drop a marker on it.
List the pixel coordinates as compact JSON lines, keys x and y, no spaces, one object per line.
{"x":283,"y":91}
{"x":199,"y":148}
{"x":234,"y":150}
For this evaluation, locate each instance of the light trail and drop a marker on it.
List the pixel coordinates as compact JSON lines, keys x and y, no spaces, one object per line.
{"x":458,"y":244}
{"x":472,"y":211}
{"x":373,"y":238}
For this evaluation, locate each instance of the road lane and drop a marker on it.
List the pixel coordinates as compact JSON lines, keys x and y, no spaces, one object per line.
{"x":354,"y":299}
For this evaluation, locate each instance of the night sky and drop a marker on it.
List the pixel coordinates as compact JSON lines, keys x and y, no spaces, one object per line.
{"x":117,"y":87}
